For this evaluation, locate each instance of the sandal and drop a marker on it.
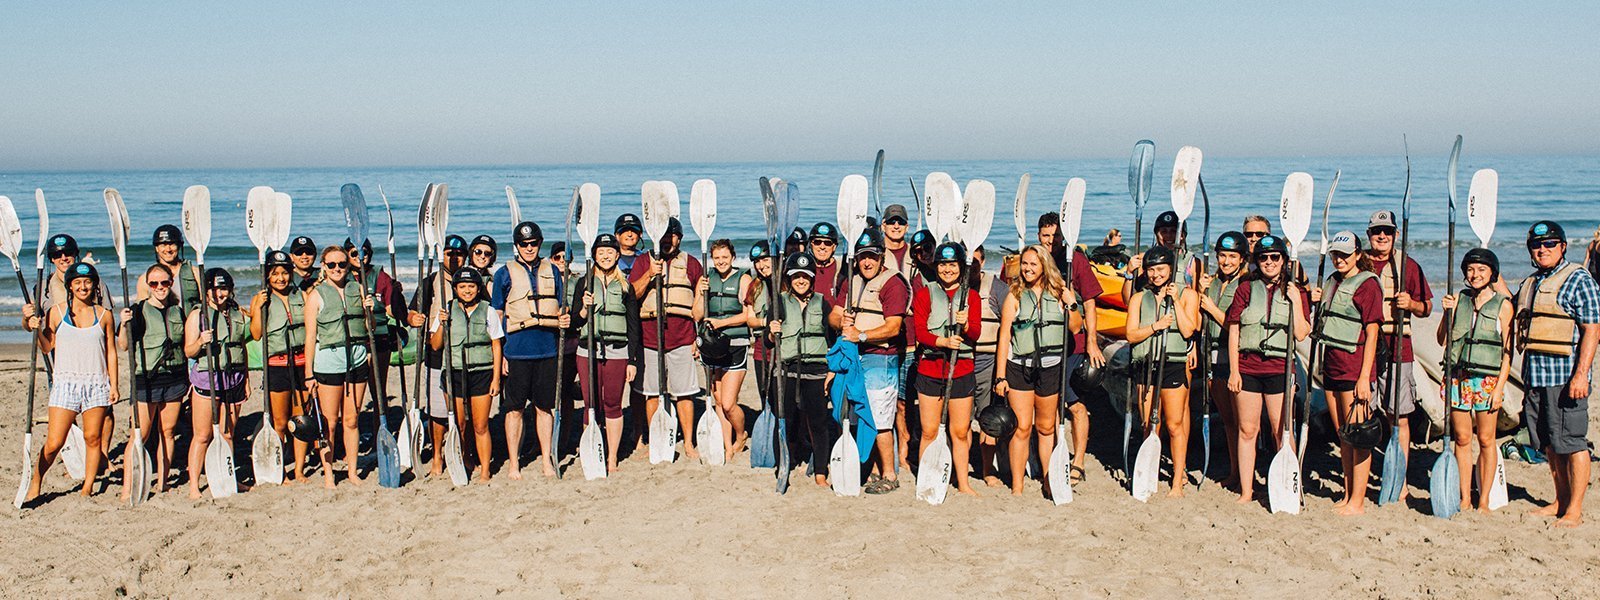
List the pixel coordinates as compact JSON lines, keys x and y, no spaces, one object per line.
{"x":1076,"y":475}
{"x":883,"y":486}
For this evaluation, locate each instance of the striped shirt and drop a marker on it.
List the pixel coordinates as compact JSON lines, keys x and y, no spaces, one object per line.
{"x":1579,"y":296}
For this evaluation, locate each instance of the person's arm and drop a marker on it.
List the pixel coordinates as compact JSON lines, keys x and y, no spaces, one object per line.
{"x":697,"y":308}
{"x":1187,"y":313}
{"x":258,"y":325}
{"x":192,"y":344}
{"x":436,"y":332}
{"x":1588,"y":312}
{"x":1008,"y":317}
{"x":312,"y":304}
{"x":494,"y":381}
{"x":1369,"y":356}
{"x":1507,"y":323}
{"x":974,"y":329}
{"x":642,"y":278}
{"x":630,"y":303}
{"x":920,"y":305}
{"x":1138,"y":333}
{"x":1422,"y":298}
{"x":1301,"y":310}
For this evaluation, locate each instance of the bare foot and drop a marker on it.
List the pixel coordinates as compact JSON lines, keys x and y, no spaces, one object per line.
{"x":968,"y":491}
{"x":691,"y":454}
{"x":1568,"y":521}
{"x":1243,"y":499}
{"x":1016,"y":491}
{"x":1466,"y":506}
{"x":1176,"y":492}
{"x":194,"y":493}
{"x":1548,"y":510}
{"x":1350,"y":510}
{"x":822,"y":480}
{"x":327,"y":480}
{"x":294,"y":481}
{"x":547,"y":469}
{"x":353,"y":479}
{"x":992,"y":481}
{"x":905,"y":466}
{"x":435,"y":471}
{"x":514,"y":472}
{"x":727,"y":457}
{"x":612,"y":468}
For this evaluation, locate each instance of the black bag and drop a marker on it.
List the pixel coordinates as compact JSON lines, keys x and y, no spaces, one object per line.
{"x":1370,"y":433}
{"x":715,"y":346}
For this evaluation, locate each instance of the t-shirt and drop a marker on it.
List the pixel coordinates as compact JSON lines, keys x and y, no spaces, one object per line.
{"x":1417,"y":286}
{"x":933,"y":364}
{"x":1085,"y":285}
{"x":1339,"y":365}
{"x":1255,"y":363}
{"x":530,"y":343}
{"x":828,"y":281}
{"x":679,"y":330}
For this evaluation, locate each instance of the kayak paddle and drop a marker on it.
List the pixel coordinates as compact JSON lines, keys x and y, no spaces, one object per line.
{"x":703,"y":218}
{"x":357,"y":226}
{"x":1444,"y":479}
{"x":1482,"y":204}
{"x":11,"y":246}
{"x":1394,"y":456}
{"x":658,"y":199}
{"x":266,"y":449}
{"x":1057,"y":473}
{"x":844,"y":463}
{"x":197,"y":231}
{"x":1283,"y":474}
{"x":591,"y":445}
{"x":944,"y":206}
{"x":1141,"y":175}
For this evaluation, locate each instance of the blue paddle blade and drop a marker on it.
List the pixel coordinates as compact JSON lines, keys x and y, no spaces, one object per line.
{"x":388,"y":455}
{"x":761,"y":456}
{"x":555,"y":439}
{"x":783,"y":458}
{"x":1205,"y":437}
{"x":1394,"y":470}
{"x":1444,"y":484}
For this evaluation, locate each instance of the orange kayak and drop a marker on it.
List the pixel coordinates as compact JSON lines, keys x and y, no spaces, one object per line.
{"x":1111,"y":313}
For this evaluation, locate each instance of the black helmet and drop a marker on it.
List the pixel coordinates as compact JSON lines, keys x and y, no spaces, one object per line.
{"x":303,"y":428}
{"x":760,"y":250}
{"x":527,"y":230}
{"x":825,"y":231}
{"x":950,"y":252}
{"x":485,"y":240}
{"x":628,"y":222}
{"x":455,"y":242}
{"x":922,"y":241}
{"x":167,"y":234}
{"x":604,"y":240}
{"x":1481,"y":256}
{"x":1086,"y":378}
{"x":278,"y":258}
{"x":1546,"y":230}
{"x":218,"y":277}
{"x":1232,"y":241}
{"x":80,"y":270}
{"x":366,"y":246}
{"x":1369,"y":434}
{"x":795,"y":241}
{"x":1269,"y":244}
{"x":870,"y":242}
{"x":468,"y":275}
{"x":1159,"y":255}
{"x":1167,"y":219}
{"x":674,"y":227}
{"x":997,"y":420}
{"x":61,"y":244}
{"x":800,"y":263}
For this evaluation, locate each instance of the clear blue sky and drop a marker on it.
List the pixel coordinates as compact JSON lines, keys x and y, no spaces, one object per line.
{"x":200,"y":84}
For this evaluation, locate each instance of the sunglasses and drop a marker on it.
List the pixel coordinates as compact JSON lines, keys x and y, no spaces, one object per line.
{"x":303,"y":253}
{"x":1270,"y":258}
{"x":159,"y":283}
{"x":895,"y":221}
{"x":1546,"y":244}
{"x":1380,"y":231}
{"x":528,"y":244}
{"x":342,"y":264}
{"x":1255,"y":234}
{"x":822,"y":243}
{"x":483,"y":252}
{"x":56,"y":255}
{"x":1337,"y":255}
{"x":453,"y":253}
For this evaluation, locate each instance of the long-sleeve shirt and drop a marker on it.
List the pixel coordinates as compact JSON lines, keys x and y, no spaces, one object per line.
{"x":934,"y":364}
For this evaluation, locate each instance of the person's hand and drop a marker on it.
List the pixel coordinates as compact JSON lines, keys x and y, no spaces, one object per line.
{"x":367,"y":302}
{"x":205,"y":336}
{"x":1364,"y":389}
{"x":126,"y":315}
{"x":1097,"y":357}
{"x":776,"y":327}
{"x":1448,"y":302}
{"x":1316,"y":294}
{"x":1135,"y":264}
{"x":27,"y":310}
{"x":1498,"y":397}
{"x":1208,"y":304}
{"x":1403,"y":301}
{"x":1235,"y":382}
{"x":441,"y":316}
{"x":1204,"y":282}
{"x":705,"y":285}
{"x":655,"y":269}
{"x":564,"y":321}
{"x":115,"y":393}
{"x":417,"y":319}
{"x":1579,"y":388}
{"x":851,"y":333}
{"x":1161,"y":323}
{"x":632,"y":372}
{"x":33,"y":322}
{"x":1170,"y":290}
{"x":588,"y":299}
{"x":849,"y":321}
{"x":494,"y":386}
{"x":961,"y":316}
{"x":1000,"y":385}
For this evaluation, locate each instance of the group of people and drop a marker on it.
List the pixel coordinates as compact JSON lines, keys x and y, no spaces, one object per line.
{"x":936,"y":338}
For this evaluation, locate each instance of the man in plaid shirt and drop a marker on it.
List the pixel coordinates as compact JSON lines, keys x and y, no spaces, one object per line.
{"x":1556,"y":371}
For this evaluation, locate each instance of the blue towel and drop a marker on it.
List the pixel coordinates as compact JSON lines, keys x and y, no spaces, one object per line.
{"x":844,"y":360}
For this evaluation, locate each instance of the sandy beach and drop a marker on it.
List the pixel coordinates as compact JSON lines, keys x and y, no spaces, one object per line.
{"x":692,"y":531}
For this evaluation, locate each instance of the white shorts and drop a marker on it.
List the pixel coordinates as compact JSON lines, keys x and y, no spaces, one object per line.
{"x":437,"y":407}
{"x":682,"y":381}
{"x":882,"y":377}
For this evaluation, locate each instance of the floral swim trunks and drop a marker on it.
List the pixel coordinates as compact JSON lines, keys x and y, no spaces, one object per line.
{"x":1473,"y":393}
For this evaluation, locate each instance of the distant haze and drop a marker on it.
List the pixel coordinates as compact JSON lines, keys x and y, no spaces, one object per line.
{"x":197,"y":85}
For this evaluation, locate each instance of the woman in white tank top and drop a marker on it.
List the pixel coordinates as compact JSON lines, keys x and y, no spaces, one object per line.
{"x":82,"y":331}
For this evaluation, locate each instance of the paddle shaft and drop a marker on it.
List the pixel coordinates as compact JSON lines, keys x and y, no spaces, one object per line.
{"x":394,"y":274}
{"x":1289,"y":354}
{"x":381,"y":401}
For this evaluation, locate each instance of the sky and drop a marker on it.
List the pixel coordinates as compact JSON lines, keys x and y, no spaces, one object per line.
{"x":133,"y":85}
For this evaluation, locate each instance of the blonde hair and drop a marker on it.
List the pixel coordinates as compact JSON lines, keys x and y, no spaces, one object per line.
{"x":1050,"y":277}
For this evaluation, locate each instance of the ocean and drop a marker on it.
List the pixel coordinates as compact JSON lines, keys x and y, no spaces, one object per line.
{"x":1564,"y":188}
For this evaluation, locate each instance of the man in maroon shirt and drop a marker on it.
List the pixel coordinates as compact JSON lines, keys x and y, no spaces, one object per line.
{"x":824,"y":240}
{"x":874,"y":319}
{"x":674,"y":343}
{"x":1411,"y":300}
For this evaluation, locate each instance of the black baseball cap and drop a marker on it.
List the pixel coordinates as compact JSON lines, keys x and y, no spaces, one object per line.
{"x":302,"y":245}
{"x":895,"y":211}
{"x":1167,"y":219}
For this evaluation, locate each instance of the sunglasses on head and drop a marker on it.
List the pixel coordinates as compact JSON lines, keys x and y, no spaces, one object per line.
{"x":1546,"y":244}
{"x":159,"y":283}
{"x":336,"y":264}
{"x":1255,"y":234}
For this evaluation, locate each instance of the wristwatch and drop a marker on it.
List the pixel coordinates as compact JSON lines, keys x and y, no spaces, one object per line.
{"x":861,"y":337}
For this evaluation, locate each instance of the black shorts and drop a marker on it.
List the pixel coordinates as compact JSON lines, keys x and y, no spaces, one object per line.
{"x":469,"y":384}
{"x":233,"y":395}
{"x":358,"y":375}
{"x":1042,"y":381}
{"x":531,"y":381}
{"x":158,"y":388}
{"x":960,"y":387}
{"x":1175,"y":375}
{"x":1264,"y":384}
{"x":286,"y":378}
{"x":1330,"y":385}
{"x":734,"y":361}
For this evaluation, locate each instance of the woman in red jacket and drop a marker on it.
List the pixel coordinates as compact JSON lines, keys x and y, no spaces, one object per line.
{"x":943,"y":325}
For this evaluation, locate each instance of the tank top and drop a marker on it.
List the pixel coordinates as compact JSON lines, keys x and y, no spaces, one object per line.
{"x":80,"y":370}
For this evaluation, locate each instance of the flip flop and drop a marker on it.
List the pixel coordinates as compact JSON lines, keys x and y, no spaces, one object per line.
{"x":1077,"y":475}
{"x":883,"y":486}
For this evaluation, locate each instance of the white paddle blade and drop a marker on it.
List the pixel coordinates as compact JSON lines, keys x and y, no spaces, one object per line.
{"x":1058,"y":474}
{"x":72,"y":452}
{"x":1147,"y":467}
{"x":197,"y":220}
{"x":140,"y":465}
{"x":1483,"y":200}
{"x":708,"y":434}
{"x":657,"y":198}
{"x":44,"y":226}
{"x":1019,"y":210}
{"x":1450,"y":176}
{"x":1283,"y":482}
{"x":852,"y":209}
{"x":388,"y":214}
{"x":10,"y":232}
{"x":592,"y":450}
{"x":844,"y":465}
{"x":933,"y":471}
{"x":977,"y":213}
{"x":441,"y":213}
{"x":256,"y":208}
{"x":278,"y":223}
{"x":516,"y":209}
{"x":662,"y":439}
{"x":219,"y":466}
{"x":119,"y":231}
{"x":1185,"y":181}
{"x":266,"y":458}
{"x":1141,"y":172}
{"x":1072,"y":212}
{"x":1294,"y":210}
{"x":703,"y":210}
{"x":1497,"y":489}
{"x":425,"y":221}
{"x":942,"y":204}
{"x":403,"y":440}
{"x":588,"y":213}
{"x":452,"y":455}
{"x":27,"y":461}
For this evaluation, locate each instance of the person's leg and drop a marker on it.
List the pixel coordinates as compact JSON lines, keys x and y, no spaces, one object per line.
{"x":613,"y":384}
{"x":733,"y":427}
{"x":480,"y":433}
{"x":351,"y":419}
{"x":1175,"y":416}
{"x":961,"y":443}
{"x":200,"y":417}
{"x":93,"y":451}
{"x":1046,"y":418}
{"x":1222,"y":400}
{"x":1570,"y":434}
{"x":819,"y":425}
{"x":1538,"y":411}
{"x":59,"y":422}
{"x":1360,"y":469}
{"x":1247,"y":408}
{"x":1462,"y":440}
{"x":1022,"y":403}
{"x":544,"y":382}
{"x":166,"y":447}
{"x":1077,"y":412}
{"x":1272,"y":404}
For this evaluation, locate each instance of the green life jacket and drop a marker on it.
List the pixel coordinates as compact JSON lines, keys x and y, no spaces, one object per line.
{"x":340,"y":308}
{"x":1177,"y":348}
{"x":160,"y":346}
{"x":1221,"y":293}
{"x":941,"y":322}
{"x":610,"y":313}
{"x":281,"y":318}
{"x":1475,"y":335}
{"x":470,"y":348}
{"x":188,"y":286}
{"x":805,"y":331}
{"x":1341,"y":321}
{"x":1264,"y":324}
{"x":1038,"y":329}
{"x":230,"y":332}
{"x":758,"y":304}
{"x":722,"y":300}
